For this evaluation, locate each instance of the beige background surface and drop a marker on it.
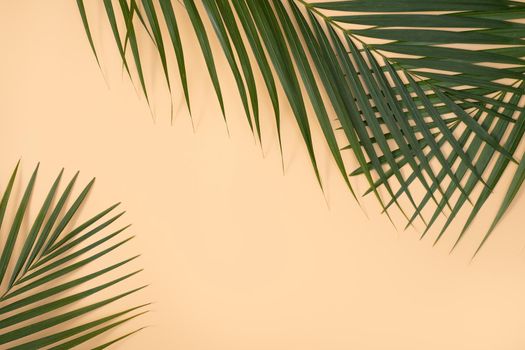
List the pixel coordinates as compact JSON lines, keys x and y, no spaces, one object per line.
{"x":239,"y":256}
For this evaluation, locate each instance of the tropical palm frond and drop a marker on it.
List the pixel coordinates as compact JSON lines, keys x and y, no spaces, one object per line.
{"x":426,"y":94}
{"x":39,"y":294}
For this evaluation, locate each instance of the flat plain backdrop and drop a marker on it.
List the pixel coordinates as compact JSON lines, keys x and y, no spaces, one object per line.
{"x":238,"y":255}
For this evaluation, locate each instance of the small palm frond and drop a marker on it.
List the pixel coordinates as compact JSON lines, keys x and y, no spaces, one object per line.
{"x":416,"y":109}
{"x":39,"y":293}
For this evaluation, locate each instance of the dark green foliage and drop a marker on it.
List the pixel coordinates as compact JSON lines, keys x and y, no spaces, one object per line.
{"x":38,"y":291}
{"x":415,"y":110}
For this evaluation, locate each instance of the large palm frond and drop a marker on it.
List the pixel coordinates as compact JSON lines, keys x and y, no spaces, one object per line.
{"x":39,"y":293}
{"x":426,"y":94}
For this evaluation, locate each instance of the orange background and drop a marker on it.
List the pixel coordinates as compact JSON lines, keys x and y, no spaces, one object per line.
{"x":239,"y":256}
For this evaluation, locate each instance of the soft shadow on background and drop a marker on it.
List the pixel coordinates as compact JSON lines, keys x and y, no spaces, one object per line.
{"x":239,"y":256}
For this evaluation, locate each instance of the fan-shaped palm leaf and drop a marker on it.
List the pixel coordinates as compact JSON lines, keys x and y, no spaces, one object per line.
{"x":406,"y":97}
{"x":38,"y":291}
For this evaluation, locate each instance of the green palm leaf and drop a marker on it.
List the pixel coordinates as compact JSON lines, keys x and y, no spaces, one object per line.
{"x":388,"y":77}
{"x":38,"y":293}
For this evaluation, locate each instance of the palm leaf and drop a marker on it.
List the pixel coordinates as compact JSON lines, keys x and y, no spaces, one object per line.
{"x":38,"y":290}
{"x":387,"y":77}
